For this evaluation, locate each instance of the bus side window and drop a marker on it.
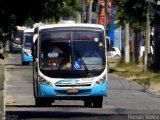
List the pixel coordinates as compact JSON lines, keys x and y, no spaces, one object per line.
{"x":34,"y":46}
{"x":34,"y":50}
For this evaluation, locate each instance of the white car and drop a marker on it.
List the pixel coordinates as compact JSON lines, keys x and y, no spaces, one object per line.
{"x":114,"y":52}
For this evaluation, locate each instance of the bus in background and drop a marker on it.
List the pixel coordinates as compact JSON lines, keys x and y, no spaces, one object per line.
{"x":26,"y":54}
{"x":70,"y":63}
{"x":16,"y":39}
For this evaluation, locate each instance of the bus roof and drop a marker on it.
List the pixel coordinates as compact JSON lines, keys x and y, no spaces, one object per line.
{"x":20,"y":27}
{"x":72,"y":25}
{"x":29,"y":30}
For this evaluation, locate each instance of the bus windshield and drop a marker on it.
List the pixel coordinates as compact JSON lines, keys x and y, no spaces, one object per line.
{"x":18,"y":37}
{"x":28,"y":40}
{"x":72,"y":53}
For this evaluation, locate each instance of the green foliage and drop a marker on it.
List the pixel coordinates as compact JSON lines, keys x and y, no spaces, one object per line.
{"x":131,"y":11}
{"x":135,"y":72}
{"x":134,"y":12}
{"x":18,"y":12}
{"x":29,"y":22}
{"x":131,"y":65}
{"x":58,"y":8}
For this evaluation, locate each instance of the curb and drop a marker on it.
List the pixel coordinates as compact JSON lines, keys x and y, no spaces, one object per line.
{"x":2,"y":102}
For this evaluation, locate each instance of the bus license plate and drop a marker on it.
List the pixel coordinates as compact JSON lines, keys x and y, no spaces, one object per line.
{"x":72,"y":91}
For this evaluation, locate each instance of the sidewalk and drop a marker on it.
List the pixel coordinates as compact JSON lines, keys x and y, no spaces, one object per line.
{"x":2,"y":104}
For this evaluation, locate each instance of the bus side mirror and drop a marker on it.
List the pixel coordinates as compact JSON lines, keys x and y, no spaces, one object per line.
{"x":108,"y":41}
{"x":36,"y":59}
{"x":107,"y":38}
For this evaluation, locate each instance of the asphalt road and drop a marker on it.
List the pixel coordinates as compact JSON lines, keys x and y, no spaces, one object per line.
{"x":125,"y":98}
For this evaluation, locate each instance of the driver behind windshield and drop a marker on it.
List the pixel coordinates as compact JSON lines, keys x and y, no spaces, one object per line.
{"x":55,"y":56}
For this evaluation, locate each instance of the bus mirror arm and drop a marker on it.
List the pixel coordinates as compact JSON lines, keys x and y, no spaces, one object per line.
{"x":36,"y":59}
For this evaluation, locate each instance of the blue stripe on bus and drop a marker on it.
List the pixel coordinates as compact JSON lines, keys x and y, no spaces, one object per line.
{"x":50,"y":91}
{"x":27,"y":58}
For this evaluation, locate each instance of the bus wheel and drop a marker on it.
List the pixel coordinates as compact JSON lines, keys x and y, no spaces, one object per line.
{"x":25,"y":63}
{"x":97,"y":102}
{"x":40,"y":102}
{"x":87,"y":103}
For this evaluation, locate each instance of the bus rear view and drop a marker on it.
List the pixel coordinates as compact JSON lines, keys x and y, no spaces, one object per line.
{"x":71,"y":64}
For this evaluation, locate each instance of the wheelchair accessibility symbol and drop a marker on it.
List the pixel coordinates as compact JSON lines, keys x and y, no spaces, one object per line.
{"x":77,"y":65}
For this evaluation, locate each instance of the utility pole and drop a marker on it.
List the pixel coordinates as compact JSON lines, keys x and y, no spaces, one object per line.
{"x":147,"y":41}
{"x":127,"y":53}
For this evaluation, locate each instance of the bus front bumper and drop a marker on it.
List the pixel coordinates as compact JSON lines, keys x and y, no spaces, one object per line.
{"x":56,"y":92}
{"x":27,"y":58}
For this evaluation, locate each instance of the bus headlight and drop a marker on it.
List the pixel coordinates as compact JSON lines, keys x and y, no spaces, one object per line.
{"x":44,"y":81}
{"x":100,"y":81}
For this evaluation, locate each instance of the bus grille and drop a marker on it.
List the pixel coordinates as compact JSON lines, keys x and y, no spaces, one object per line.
{"x":80,"y":93}
{"x":74,"y":85}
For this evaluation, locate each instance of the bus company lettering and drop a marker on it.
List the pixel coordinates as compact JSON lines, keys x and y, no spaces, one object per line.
{"x":144,"y":117}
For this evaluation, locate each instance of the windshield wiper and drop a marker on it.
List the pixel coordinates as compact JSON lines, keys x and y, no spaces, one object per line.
{"x":84,"y":64}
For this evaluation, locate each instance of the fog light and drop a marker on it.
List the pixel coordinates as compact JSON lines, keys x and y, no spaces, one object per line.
{"x":97,"y":82}
{"x":44,"y":81}
{"x":100,"y":81}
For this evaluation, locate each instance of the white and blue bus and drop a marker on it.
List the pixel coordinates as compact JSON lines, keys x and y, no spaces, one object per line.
{"x":70,"y":64}
{"x":15,"y":44}
{"x":26,"y":53}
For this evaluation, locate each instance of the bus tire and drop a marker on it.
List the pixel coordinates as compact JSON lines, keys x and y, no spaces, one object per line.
{"x":98,"y":101}
{"x":35,"y":91}
{"x":25,"y":63}
{"x":87,"y":103}
{"x":41,"y":102}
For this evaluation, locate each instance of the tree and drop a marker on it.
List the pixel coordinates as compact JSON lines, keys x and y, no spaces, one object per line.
{"x":21,"y":12}
{"x":123,"y":17}
{"x":135,"y":12}
{"x":36,"y":10}
{"x":127,"y":55}
{"x":90,"y":11}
